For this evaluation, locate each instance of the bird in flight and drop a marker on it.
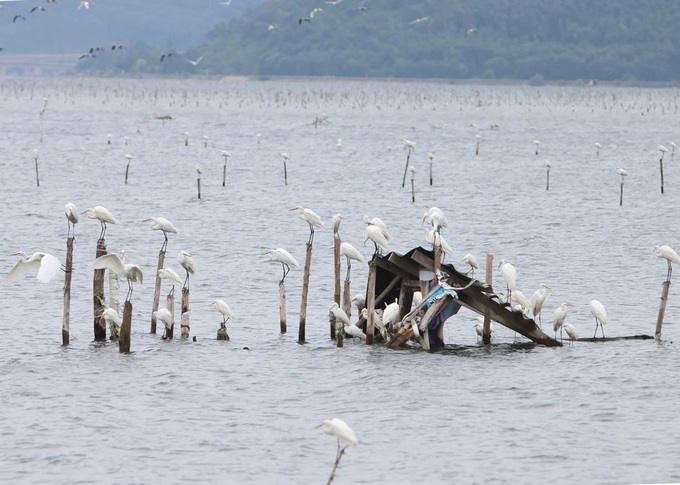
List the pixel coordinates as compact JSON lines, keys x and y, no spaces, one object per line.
{"x":196,"y":62}
{"x":165,"y":56}
{"x":419,"y":21}
{"x":84,"y":4}
{"x":18,"y":17}
{"x":39,"y":8}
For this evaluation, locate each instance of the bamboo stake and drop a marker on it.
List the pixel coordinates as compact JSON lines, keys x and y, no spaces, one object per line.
{"x":125,"y":329}
{"x":662,"y":308}
{"x":184,"y":317}
{"x":437,"y":262}
{"x":340,"y":333}
{"x":486,"y":332}
{"x":479,"y":141}
{"x":65,"y":336}
{"x":408,"y":158}
{"x":305,"y":291}
{"x":282,"y":306}
{"x":157,"y":290}
{"x":621,"y":195}
{"x":98,"y":295}
{"x":337,"y":266}
{"x":370,"y":301}
{"x":226,"y":156}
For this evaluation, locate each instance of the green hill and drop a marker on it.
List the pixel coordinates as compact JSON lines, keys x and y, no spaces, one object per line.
{"x":495,"y":39}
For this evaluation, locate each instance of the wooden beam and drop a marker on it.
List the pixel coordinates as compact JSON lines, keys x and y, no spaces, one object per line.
{"x":379,"y":299}
{"x":392,"y":268}
{"x":405,"y":263}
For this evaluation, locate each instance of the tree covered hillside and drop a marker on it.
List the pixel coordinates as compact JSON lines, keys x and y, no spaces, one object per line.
{"x":499,"y":39}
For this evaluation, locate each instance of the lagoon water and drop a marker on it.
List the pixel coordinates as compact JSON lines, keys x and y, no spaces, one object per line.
{"x":213,"y":412}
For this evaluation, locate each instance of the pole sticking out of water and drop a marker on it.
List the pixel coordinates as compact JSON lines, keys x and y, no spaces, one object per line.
{"x":623,"y":174}
{"x":125,"y":329}
{"x":282,"y":307}
{"x":486,"y":332}
{"x":663,"y":151}
{"x":186,"y":138}
{"x":479,"y":141}
{"x":98,"y":295}
{"x":184,"y":317}
{"x":598,"y":147}
{"x":370,"y":300}
{"x":547,"y":174}
{"x":305,"y":291}
{"x":285,"y":168}
{"x":662,"y":308}
{"x":225,"y":155}
{"x":68,"y":270}
{"x":412,"y":171}
{"x":205,"y":141}
{"x":337,"y":265}
{"x":129,"y":158}
{"x":45,"y":100}
{"x":157,"y":290}
{"x":431,"y":157}
{"x":37,"y":175}
{"x":199,"y":171}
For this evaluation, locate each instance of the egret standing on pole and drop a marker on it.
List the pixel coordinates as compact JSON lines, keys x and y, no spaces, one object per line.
{"x":102,"y":214}
{"x":161,"y":224}
{"x":669,"y":254}
{"x":311,"y":218}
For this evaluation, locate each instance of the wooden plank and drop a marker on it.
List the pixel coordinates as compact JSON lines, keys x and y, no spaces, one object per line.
{"x":405,"y":264}
{"x":393,"y":268}
{"x":422,"y":259}
{"x":486,"y":330}
{"x":379,"y":300}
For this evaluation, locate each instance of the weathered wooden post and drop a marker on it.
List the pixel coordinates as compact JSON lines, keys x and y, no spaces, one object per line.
{"x":226,"y":156}
{"x":479,"y":141}
{"x":370,"y":300}
{"x":412,"y":169}
{"x":98,"y":294}
{"x":663,"y":151}
{"x":431,"y":157}
{"x":170,"y":305}
{"x":68,"y":269}
{"x":157,"y":290}
{"x":662,"y":308}
{"x":547,"y":175}
{"x":346,"y":301}
{"x":409,"y":146}
{"x":486,"y":332}
{"x":125,"y":329}
{"x":437,"y":260}
{"x":186,"y":138}
{"x":623,"y":174}
{"x":305,"y":291}
{"x":340,"y":333}
{"x":199,"y":171}
{"x":337,"y":266}
{"x":37,"y":176}
{"x":129,"y":158}
{"x":184,"y":317}
{"x":282,"y":306}
{"x":285,"y":168}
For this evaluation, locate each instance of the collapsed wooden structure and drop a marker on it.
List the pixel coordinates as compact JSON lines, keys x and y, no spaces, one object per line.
{"x":445,"y":291}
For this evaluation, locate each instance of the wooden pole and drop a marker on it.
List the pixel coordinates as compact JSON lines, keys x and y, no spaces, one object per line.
{"x":346,"y":301}
{"x":662,"y":308}
{"x":285,"y":172}
{"x":338,"y":268}
{"x":127,"y":170}
{"x":660,"y":168}
{"x":431,"y":170}
{"x":198,"y":183}
{"x":184,"y":317}
{"x":408,"y":158}
{"x":477,"y":148}
{"x":370,"y":301}
{"x":125,"y":328}
{"x":65,"y":337}
{"x":621,"y":196}
{"x":339,"y":332}
{"x":98,"y":294}
{"x":486,"y":332}
{"x":37,"y":176}
{"x":305,"y":291}
{"x":157,"y":290}
{"x":282,"y":307}
{"x":413,"y":191}
{"x":437,"y":260}
{"x":547,"y":179}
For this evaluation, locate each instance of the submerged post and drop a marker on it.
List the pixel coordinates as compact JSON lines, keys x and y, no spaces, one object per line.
{"x":282,"y":307}
{"x":98,"y":294}
{"x":621,"y":196}
{"x":662,"y":308}
{"x":157,"y":290}
{"x":184,"y":317}
{"x":337,"y":266}
{"x":125,"y":328}
{"x":68,"y":269}
{"x":370,"y":300}
{"x":486,"y":332}
{"x":305,"y":291}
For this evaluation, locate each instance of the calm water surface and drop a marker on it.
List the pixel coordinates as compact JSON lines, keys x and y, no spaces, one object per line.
{"x":212,"y":412}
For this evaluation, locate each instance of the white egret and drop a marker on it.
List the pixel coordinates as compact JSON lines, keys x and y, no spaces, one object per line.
{"x":187,"y":262}
{"x":339,"y":314}
{"x":523,"y":301}
{"x":419,"y":20}
{"x":622,"y":172}
{"x":311,"y":218}
{"x":164,"y":315}
{"x":377,"y":236}
{"x":161,"y":224}
{"x":171,"y":275}
{"x":354,"y":331}
{"x":339,"y":144}
{"x":509,"y":275}
{"x":112,"y":317}
{"x":479,"y":328}
{"x":600,"y":314}
{"x":46,"y":265}
{"x":285,"y":258}
{"x":337,"y":219}
{"x":669,"y":254}
{"x":438,"y":241}
{"x":377,"y":322}
{"x":131,"y":272}
{"x":570,"y":330}
{"x":390,"y":314}
{"x":375,"y":221}
{"x":102,"y":214}
{"x":222,"y":307}
{"x":71,"y":212}
{"x":359,"y":301}
{"x":417,"y":299}
{"x":338,"y":428}
{"x":195,"y":64}
{"x":351,"y":253}
{"x":559,"y":316}
{"x":598,"y":147}
{"x":537,"y":143}
{"x":470,"y":260}
{"x":435,"y":216}
{"x":538,"y":299}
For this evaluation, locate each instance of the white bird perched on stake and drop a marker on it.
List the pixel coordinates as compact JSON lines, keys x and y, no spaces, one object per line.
{"x":472,"y":261}
{"x":669,"y":254}
{"x":164,"y":315}
{"x":408,"y":144}
{"x":111,"y":317}
{"x":622,"y":172}
{"x":600,"y":314}
{"x":436,"y":218}
{"x":337,"y":219}
{"x":598,"y":147}
{"x":71,"y":212}
{"x":538,"y":299}
{"x":46,"y":265}
{"x":570,"y":330}
{"x":161,"y":224}
{"x":524,"y":302}
{"x":338,"y":428}
{"x":509,"y":275}
{"x":537,"y":143}
{"x":377,"y":236}
{"x":351,"y":253}
{"x":559,"y":316}
{"x":390,"y":314}
{"x":187,"y":262}
{"x":285,"y":258}
{"x":102,"y":214}
{"x":311,"y":218}
{"x":222,"y":307}
{"x":339,"y":314}
{"x":131,"y":272}
{"x":438,"y":241}
{"x":359,"y":301}
{"x":379,"y":223}
{"x":171,"y":275}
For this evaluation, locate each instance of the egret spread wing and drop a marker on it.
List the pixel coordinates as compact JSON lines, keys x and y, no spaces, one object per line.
{"x":49,"y":267}
{"x":134,"y":274}
{"x":109,"y":261}
{"x":20,"y":270}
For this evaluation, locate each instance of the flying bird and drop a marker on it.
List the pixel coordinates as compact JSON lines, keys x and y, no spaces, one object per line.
{"x":46,"y":265}
{"x":18,"y":17}
{"x":196,"y":62}
{"x":419,"y":21}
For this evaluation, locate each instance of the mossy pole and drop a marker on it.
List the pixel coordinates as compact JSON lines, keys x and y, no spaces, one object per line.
{"x":125,"y":329}
{"x":157,"y":290}
{"x":662,"y":308}
{"x":486,"y":331}
{"x":98,"y":295}
{"x":305,"y":291}
{"x":282,"y":307}
{"x":68,"y":270}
